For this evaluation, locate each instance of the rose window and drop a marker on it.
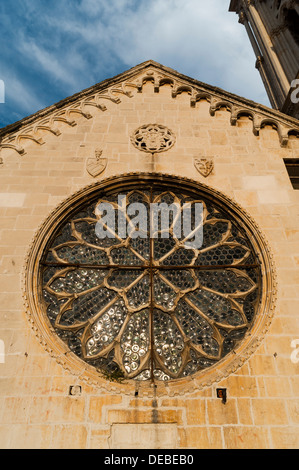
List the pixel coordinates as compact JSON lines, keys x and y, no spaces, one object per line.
{"x":144,"y":303}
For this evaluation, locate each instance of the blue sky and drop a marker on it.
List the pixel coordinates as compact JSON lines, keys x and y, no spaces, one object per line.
{"x":51,"y":50}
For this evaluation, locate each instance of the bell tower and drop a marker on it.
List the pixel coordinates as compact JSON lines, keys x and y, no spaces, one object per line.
{"x":273,"y":30}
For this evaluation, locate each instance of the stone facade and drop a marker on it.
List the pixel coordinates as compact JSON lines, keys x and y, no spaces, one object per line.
{"x":87,"y":138}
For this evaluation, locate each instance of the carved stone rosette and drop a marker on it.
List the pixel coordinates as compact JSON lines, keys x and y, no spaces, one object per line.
{"x":153,"y":138}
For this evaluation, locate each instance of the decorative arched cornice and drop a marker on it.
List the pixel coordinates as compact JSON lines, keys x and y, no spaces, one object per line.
{"x":218,"y":98}
{"x":124,"y":84}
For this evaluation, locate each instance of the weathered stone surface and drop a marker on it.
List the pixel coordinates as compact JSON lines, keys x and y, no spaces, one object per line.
{"x":36,"y":409}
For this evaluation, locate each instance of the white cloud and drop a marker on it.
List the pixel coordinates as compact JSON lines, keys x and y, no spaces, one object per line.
{"x":50,"y":63}
{"x":20,"y":95}
{"x":79,"y":44}
{"x":104,"y":7}
{"x":200,"y":40}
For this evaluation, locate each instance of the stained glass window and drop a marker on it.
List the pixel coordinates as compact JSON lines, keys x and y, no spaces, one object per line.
{"x":143,"y":303}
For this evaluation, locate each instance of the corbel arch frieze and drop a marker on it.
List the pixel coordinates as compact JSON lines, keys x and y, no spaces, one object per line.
{"x":31,"y":132}
{"x":258,"y":120}
{"x":62,"y":118}
{"x":6,"y":145}
{"x":182,"y":88}
{"x":65,"y":112}
{"x":293,"y":132}
{"x":15,"y":142}
{"x":203,"y":96}
{"x":217,"y":101}
{"x":282,"y":134}
{"x":66,"y":116}
{"x":148,"y":77}
{"x":44,"y":127}
{"x":217,"y":104}
{"x":239,"y":112}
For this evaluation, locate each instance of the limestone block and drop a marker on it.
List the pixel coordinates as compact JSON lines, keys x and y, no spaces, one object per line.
{"x":244,"y":437}
{"x":140,"y":436}
{"x":199,"y":437}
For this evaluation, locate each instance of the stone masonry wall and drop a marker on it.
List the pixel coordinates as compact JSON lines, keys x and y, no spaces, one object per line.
{"x":38,"y":407}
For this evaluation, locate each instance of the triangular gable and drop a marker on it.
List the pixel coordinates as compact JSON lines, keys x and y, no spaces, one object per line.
{"x":132,"y":81}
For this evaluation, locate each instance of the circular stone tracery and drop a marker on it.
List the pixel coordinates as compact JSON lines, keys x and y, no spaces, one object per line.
{"x":149,"y":308}
{"x":153,"y":138}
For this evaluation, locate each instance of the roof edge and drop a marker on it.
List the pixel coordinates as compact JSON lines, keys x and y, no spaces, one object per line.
{"x":127,"y":75}
{"x":65,"y":101}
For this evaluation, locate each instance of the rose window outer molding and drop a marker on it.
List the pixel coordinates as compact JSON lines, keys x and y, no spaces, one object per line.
{"x":120,"y":311}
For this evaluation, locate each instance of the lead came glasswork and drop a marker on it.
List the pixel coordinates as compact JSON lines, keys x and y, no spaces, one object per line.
{"x":150,"y":308}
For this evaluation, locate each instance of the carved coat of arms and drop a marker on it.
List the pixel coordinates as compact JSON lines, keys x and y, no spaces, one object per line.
{"x":96,"y":165}
{"x":153,"y":138}
{"x":204,"y":166}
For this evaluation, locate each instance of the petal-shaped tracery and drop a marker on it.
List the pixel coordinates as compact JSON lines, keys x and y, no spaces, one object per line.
{"x":140,"y":300}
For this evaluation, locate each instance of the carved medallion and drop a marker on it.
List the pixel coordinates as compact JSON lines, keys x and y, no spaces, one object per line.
{"x":204,"y":166}
{"x":95,"y":166}
{"x":153,"y":138}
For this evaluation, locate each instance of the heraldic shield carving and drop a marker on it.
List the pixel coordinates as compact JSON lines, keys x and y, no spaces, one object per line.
{"x":204,"y":166}
{"x":95,"y":166}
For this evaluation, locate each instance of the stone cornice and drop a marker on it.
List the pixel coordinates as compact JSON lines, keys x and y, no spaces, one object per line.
{"x":130,"y":82}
